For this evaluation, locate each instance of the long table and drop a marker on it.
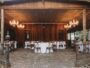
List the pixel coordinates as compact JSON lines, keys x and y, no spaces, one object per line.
{"x":44,"y":45}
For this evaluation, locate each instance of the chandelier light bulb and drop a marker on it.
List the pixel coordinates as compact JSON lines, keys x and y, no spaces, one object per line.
{"x":20,"y":26}
{"x":16,"y":23}
{"x":72,"y":23}
{"x":77,"y":22}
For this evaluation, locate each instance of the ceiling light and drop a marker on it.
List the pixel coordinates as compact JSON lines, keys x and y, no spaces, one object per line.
{"x":20,"y":26}
{"x":16,"y":23}
{"x":13,"y":23}
{"x":72,"y":23}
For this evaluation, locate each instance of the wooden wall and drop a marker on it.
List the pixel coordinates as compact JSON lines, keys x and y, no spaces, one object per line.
{"x":46,"y":32}
{"x":37,"y":32}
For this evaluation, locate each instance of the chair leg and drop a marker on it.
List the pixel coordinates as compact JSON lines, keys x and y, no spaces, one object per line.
{"x":47,"y":50}
{"x":38,"y":50}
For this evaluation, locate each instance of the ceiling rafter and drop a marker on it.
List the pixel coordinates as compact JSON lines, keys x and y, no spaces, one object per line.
{"x":47,"y":5}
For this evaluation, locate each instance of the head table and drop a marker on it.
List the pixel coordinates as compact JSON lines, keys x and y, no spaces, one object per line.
{"x":45,"y":47}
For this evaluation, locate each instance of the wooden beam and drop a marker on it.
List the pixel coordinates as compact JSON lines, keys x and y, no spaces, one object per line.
{"x":2,"y":25}
{"x":84,"y":25}
{"x":42,"y":23}
{"x":47,"y":5}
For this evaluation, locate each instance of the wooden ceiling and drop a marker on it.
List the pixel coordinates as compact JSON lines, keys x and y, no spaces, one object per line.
{"x":9,"y":2}
{"x":43,"y":15}
{"x":50,"y":12}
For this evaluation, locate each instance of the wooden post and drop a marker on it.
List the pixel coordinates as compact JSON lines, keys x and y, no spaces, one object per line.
{"x":84,"y":39}
{"x":2,"y":25}
{"x":84,"y":25}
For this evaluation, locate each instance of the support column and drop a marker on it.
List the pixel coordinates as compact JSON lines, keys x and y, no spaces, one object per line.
{"x":2,"y":25}
{"x":84,"y":25}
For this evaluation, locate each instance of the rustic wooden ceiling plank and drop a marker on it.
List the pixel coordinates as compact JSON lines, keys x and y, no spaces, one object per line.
{"x":62,"y":16}
{"x":46,"y":5}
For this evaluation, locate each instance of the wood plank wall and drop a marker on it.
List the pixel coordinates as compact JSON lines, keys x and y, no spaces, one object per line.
{"x":37,"y":32}
{"x":44,"y":32}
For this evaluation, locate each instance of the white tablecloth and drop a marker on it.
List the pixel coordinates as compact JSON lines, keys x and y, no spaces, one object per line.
{"x":43,"y":46}
{"x":63,"y":43}
{"x":11,"y":42}
{"x":26,"y":44}
{"x":81,"y":48}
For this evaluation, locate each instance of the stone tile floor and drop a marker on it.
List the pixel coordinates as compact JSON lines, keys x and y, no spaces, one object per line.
{"x":25,"y":58}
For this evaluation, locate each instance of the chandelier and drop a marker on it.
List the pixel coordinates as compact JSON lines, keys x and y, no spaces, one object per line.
{"x":13,"y":23}
{"x":20,"y":26}
{"x":72,"y":23}
{"x":67,"y":26}
{"x":16,"y":23}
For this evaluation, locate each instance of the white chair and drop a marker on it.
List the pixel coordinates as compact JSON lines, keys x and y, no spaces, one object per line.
{"x":64,"y":44}
{"x":7,"y":43}
{"x":80,"y":48}
{"x":58,"y":44}
{"x":27,"y":44}
{"x":15,"y":44}
{"x":49,"y":48}
{"x":61,"y":45}
{"x":37,"y":48}
{"x":87,"y":48}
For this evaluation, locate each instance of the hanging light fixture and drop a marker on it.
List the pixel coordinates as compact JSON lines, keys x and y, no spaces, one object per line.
{"x":20,"y":26}
{"x":16,"y":23}
{"x":67,"y":26}
{"x":72,"y":23}
{"x":13,"y":23}
{"x":76,"y":22}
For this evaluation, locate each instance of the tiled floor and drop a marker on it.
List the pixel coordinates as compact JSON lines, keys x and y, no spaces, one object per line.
{"x":24,"y":58}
